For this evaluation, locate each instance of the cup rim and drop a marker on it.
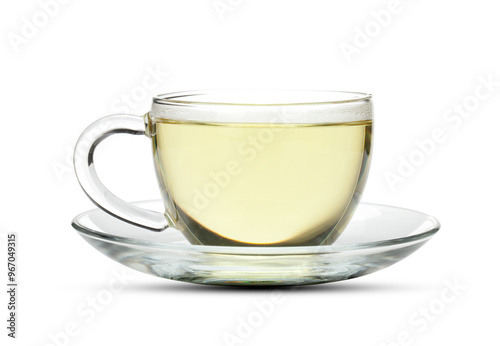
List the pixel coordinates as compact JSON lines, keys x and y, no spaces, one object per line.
{"x":180,"y":98}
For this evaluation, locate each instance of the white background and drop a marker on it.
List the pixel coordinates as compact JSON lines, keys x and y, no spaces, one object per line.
{"x":73,"y":68}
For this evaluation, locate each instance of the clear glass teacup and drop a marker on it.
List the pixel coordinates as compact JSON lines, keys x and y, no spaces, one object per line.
{"x":245,"y":167}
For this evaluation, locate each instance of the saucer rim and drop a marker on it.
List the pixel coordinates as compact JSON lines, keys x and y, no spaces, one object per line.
{"x":432,"y":229}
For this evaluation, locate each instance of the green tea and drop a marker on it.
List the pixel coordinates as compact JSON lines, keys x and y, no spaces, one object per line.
{"x":261,"y":184}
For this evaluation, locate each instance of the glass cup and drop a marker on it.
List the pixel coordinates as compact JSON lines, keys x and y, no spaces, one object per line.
{"x":246,"y":167}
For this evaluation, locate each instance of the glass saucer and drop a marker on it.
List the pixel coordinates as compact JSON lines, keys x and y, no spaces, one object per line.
{"x":377,"y":237}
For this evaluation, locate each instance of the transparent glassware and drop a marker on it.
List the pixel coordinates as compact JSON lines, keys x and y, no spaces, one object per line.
{"x":259,"y":212}
{"x":377,"y":237}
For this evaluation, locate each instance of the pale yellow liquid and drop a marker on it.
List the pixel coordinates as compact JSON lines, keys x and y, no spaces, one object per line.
{"x":261,"y":184}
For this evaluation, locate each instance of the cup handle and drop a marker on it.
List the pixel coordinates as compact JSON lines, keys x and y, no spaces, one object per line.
{"x":83,"y":161}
